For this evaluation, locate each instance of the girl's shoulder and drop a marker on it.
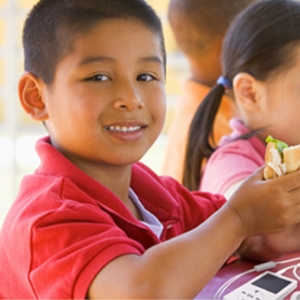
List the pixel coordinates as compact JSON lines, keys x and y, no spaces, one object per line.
{"x":233,"y":161}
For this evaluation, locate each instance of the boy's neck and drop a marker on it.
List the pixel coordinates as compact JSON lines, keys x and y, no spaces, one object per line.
{"x":119,"y":183}
{"x":116,"y":179}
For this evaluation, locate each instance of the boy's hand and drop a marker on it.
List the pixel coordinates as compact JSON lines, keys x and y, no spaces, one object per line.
{"x":266,"y":207}
{"x":286,"y":241}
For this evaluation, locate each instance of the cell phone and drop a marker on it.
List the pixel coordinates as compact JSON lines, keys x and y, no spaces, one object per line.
{"x":267,"y":285}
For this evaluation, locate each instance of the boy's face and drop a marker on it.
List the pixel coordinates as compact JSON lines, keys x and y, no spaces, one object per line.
{"x":107,"y":102}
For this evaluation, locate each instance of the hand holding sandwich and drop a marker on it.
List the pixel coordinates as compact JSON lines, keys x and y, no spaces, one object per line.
{"x":279,"y":199}
{"x":267,"y":206}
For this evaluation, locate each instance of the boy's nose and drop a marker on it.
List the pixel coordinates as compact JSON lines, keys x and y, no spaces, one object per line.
{"x":128,"y":97}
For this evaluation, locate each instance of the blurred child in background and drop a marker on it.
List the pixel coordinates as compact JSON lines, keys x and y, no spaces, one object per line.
{"x":199,"y":27}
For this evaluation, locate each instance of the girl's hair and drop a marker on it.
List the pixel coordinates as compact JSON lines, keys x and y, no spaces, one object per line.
{"x":260,"y":42}
{"x":53,"y":25}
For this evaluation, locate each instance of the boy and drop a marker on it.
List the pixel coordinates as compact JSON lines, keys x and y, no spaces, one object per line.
{"x":200,"y":39}
{"x":91,"y":221}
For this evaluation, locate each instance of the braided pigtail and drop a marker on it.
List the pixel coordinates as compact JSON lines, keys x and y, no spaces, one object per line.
{"x":201,"y":142}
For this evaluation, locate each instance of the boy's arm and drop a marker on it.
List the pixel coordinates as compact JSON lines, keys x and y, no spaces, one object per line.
{"x":182,"y":266}
{"x":177,"y":268}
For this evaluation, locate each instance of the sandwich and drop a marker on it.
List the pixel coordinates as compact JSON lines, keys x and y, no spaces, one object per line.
{"x":280,"y":158}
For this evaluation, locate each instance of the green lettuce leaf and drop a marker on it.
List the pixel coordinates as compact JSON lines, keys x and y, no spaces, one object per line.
{"x":278,"y":144}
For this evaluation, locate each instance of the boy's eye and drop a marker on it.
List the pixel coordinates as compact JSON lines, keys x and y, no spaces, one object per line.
{"x":145,"y":77}
{"x":99,"y":77}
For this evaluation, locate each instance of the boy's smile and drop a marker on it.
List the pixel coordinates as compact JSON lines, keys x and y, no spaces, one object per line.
{"x":107,"y":102}
{"x":127,"y":131}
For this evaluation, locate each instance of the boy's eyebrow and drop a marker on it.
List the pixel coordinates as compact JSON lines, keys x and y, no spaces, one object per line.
{"x":152,"y":59}
{"x":92,"y":59}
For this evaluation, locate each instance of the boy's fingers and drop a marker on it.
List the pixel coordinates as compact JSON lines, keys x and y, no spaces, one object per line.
{"x":289,"y":181}
{"x":259,"y":173}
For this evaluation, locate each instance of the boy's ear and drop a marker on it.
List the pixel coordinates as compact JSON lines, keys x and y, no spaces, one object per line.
{"x":30,"y":95}
{"x":247,"y":91}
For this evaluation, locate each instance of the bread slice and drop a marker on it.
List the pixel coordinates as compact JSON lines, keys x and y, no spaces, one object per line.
{"x":291,"y":157}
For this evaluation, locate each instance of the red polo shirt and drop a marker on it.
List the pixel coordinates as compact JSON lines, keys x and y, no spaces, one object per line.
{"x":64,"y":226}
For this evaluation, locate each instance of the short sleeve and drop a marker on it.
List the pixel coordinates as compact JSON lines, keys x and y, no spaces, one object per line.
{"x":230,"y":164}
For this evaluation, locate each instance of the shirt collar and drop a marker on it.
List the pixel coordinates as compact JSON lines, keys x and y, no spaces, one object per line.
{"x":146,"y":184}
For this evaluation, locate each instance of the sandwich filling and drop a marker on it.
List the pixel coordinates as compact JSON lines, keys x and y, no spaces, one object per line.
{"x":276,"y":163}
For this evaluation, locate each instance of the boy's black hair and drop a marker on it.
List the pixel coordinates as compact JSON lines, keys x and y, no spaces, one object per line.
{"x":52,"y":26}
{"x":260,"y":42}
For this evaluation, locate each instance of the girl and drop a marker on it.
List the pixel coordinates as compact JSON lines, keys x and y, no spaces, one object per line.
{"x":261,"y":72}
